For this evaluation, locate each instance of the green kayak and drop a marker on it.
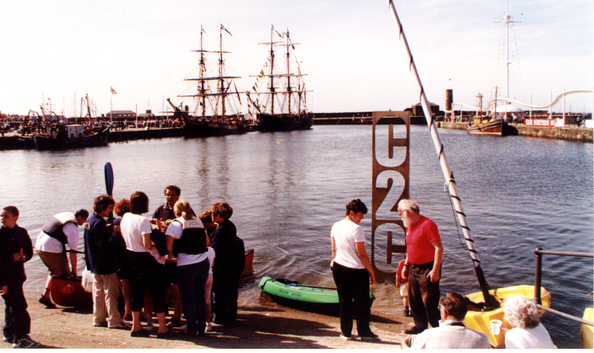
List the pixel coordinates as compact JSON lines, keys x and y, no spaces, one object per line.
{"x":292,"y":294}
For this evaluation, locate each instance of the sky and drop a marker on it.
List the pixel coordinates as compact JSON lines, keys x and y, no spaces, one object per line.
{"x":57,"y":51}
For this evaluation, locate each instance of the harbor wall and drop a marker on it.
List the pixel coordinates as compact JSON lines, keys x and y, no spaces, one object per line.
{"x":571,"y":133}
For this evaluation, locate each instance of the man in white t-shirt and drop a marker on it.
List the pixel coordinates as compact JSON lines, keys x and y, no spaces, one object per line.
{"x":59,"y":231}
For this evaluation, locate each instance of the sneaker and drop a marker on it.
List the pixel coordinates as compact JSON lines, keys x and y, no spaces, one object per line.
{"x":413,"y":330}
{"x":26,"y":342}
{"x":407,"y":313}
{"x":208,"y":327}
{"x":7,"y":339}
{"x":370,"y":337}
{"x":346,"y":338}
{"x":103,"y":324}
{"x":122,"y":326}
{"x":47,"y":302}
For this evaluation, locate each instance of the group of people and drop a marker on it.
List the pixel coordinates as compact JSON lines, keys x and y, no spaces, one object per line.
{"x":418,"y":277}
{"x":149,"y":261}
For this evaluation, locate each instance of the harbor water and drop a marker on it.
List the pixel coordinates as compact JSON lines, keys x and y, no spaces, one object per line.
{"x":288,"y":188}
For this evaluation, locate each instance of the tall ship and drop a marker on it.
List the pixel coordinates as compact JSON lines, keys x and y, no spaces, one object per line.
{"x":212,"y":112}
{"x":278,"y":96}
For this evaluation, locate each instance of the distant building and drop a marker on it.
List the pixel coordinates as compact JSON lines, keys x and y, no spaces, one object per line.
{"x":121,"y":115}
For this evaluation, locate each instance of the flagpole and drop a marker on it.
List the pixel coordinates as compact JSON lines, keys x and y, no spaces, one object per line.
{"x":490,"y":301}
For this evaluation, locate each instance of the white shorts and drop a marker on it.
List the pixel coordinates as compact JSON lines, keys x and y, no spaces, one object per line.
{"x":404,"y":290}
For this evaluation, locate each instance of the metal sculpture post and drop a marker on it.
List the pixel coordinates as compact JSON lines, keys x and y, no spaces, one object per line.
{"x":380,"y":192}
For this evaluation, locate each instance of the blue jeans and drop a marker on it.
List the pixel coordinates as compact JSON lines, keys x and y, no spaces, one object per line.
{"x":191,"y":282}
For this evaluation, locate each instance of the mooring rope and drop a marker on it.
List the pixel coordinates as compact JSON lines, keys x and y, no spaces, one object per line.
{"x":449,"y":176}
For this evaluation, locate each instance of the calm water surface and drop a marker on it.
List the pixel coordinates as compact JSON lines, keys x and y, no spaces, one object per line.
{"x":287,"y":189}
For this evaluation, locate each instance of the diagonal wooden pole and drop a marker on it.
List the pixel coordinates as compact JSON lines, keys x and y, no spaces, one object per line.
{"x":490,"y":301}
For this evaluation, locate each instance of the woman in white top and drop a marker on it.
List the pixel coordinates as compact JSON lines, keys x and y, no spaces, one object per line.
{"x":527,"y":331}
{"x":187,"y":239}
{"x":351,"y":270}
{"x":147,"y":274}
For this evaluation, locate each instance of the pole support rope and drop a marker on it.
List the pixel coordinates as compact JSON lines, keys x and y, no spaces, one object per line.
{"x":490,"y":301}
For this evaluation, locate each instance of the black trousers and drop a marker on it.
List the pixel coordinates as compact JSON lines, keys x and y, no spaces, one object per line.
{"x":147,"y":275}
{"x":423,"y":295}
{"x":225,"y":285}
{"x":353,"y":298}
{"x":17,"y":320}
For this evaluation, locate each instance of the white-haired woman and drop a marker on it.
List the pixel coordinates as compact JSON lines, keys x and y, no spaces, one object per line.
{"x":187,"y":239}
{"x":527,"y":331}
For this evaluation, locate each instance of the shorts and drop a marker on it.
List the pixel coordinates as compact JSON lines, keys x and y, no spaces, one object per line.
{"x":208,"y":288}
{"x":57,"y":263}
{"x":404,"y":290}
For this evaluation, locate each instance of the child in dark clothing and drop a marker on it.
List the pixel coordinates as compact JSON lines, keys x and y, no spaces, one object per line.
{"x":15,"y":250}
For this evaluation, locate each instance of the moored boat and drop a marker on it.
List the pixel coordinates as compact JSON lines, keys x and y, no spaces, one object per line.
{"x":212,"y":107}
{"x":283,"y":103}
{"x":306,"y":298}
{"x":68,"y":291}
{"x":479,"y":320}
{"x":71,"y":136}
{"x":587,"y":331}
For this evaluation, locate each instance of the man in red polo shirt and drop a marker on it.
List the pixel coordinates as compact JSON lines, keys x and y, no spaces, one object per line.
{"x":422,"y":266}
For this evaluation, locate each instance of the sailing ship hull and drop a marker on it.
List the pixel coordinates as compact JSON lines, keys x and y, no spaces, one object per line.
{"x":284,"y":122}
{"x":62,"y":142}
{"x":197,"y":128}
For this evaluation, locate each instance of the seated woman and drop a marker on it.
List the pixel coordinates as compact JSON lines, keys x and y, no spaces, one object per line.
{"x":527,"y":331}
{"x":187,"y":239}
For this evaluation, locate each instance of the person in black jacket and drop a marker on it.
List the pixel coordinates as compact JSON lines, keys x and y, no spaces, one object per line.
{"x":101,"y":259}
{"x":15,"y":250}
{"x":228,"y":264}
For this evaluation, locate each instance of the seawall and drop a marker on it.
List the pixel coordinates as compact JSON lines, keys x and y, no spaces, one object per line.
{"x":569,"y":133}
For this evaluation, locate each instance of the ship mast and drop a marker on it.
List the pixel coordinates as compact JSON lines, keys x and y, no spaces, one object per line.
{"x":202,"y":68}
{"x":289,"y":90}
{"x":221,"y":85}
{"x":272,"y":92}
{"x":286,"y":93}
{"x":203,"y":89}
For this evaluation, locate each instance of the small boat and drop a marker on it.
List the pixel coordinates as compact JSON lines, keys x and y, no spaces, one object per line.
{"x":71,"y":136}
{"x":306,"y":298}
{"x":249,"y":259}
{"x":486,"y":127}
{"x":68,"y":291}
{"x":480,"y":320}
